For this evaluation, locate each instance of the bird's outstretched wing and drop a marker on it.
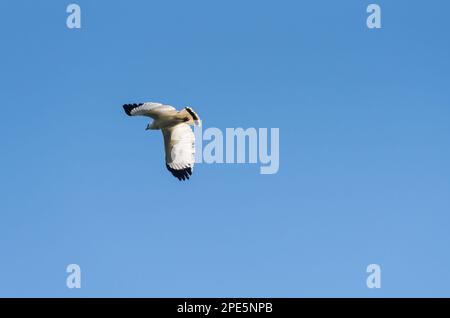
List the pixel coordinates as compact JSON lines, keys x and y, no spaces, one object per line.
{"x":179,"y":144}
{"x":153,"y":110}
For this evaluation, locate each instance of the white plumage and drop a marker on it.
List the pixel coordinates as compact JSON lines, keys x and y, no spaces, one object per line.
{"x":179,"y":140}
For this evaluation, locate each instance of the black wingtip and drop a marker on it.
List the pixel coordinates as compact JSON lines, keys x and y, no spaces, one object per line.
{"x":193,"y":114}
{"x":129,"y":107}
{"x":180,"y":174}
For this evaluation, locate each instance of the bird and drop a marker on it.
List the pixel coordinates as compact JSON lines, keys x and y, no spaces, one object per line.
{"x":179,"y":140}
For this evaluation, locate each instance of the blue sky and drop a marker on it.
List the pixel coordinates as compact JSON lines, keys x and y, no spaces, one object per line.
{"x":364,"y":134}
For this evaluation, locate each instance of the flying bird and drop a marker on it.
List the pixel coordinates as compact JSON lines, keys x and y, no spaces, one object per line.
{"x":179,"y":140}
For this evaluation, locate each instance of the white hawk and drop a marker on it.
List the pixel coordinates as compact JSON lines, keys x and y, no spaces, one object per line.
{"x":179,"y":140}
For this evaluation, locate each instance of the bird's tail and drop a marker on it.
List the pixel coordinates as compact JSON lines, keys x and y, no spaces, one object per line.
{"x":190,"y":117}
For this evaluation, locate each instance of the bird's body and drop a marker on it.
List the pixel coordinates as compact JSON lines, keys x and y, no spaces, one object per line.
{"x":179,"y":140}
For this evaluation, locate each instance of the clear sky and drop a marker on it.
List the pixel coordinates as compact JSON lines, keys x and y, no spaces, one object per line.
{"x":364,"y":149}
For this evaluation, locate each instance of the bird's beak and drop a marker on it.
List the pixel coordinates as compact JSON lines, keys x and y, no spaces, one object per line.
{"x":147,"y":128}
